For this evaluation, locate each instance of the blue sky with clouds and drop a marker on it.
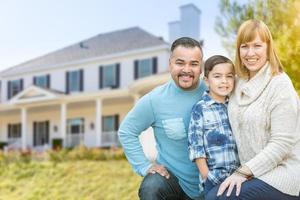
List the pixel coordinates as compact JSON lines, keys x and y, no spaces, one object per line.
{"x":33,"y":28}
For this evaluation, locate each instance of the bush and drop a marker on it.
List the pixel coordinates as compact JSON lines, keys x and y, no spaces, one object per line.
{"x":57,"y":143}
{"x":15,"y":157}
{"x":2,"y":145}
{"x":56,"y":156}
{"x":84,"y":153}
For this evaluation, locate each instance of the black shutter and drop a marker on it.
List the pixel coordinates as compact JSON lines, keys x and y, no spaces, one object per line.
{"x":117,"y":85}
{"x":9,"y":130}
{"x":47,"y":132}
{"x":154,"y":65}
{"x":8,"y":90}
{"x":48,"y":80}
{"x":81,"y":80}
{"x":20,"y":130}
{"x":34,"y":80}
{"x":34,"y":134}
{"x":102,"y":123}
{"x":83,"y":125}
{"x":67,"y":83}
{"x":100,"y":77}
{"x":136,"y":69}
{"x":116,"y":122}
{"x":21,"y":85}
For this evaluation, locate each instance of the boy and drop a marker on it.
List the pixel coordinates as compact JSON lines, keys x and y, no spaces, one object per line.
{"x":211,"y":143}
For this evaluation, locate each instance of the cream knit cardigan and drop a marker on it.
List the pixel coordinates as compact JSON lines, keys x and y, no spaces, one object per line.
{"x":264,"y":113}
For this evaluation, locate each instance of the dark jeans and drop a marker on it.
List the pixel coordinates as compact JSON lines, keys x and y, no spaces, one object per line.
{"x":254,"y":189}
{"x":157,"y":187}
{"x":208,"y":185}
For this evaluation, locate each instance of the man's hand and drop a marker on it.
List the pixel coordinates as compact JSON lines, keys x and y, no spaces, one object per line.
{"x":231,"y":181}
{"x":155,"y":168}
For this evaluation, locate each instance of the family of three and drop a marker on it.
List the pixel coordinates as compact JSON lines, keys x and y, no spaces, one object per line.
{"x":235,"y":134}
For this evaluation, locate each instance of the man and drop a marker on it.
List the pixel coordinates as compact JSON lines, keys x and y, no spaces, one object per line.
{"x":167,"y":110}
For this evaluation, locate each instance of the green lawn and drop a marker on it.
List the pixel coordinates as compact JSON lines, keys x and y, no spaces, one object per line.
{"x":103,"y":180}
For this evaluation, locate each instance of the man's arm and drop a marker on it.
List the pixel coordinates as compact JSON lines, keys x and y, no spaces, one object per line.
{"x":137,"y":120}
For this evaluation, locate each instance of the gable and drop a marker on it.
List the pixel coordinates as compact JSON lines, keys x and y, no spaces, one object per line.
{"x":34,"y":94}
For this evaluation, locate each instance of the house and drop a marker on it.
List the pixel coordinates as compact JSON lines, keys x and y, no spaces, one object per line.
{"x":79,"y":94}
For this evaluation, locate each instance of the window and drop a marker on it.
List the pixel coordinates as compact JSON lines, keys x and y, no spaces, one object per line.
{"x":14,"y":131}
{"x":110,"y":123}
{"x":145,"y":67}
{"x":40,"y":133}
{"x":75,"y":126}
{"x":109,"y":76}
{"x":74,"y":81}
{"x":14,"y":87}
{"x":42,"y":81}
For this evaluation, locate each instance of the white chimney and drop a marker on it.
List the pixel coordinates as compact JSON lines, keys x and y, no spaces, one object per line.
{"x":189,"y":24}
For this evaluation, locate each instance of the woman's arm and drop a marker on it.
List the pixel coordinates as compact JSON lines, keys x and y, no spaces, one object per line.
{"x":283,"y":117}
{"x":284,"y":114}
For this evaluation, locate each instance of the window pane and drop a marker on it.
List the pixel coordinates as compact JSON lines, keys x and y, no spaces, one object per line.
{"x":75,"y":129}
{"x":109,"y":75}
{"x":145,"y":68}
{"x":41,"y":81}
{"x":74,"y":81}
{"x":108,"y":123}
{"x":15,"y":131}
{"x":15,"y":87}
{"x":76,"y":125}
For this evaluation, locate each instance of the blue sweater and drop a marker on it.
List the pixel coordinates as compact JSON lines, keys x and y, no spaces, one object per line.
{"x":167,"y":109}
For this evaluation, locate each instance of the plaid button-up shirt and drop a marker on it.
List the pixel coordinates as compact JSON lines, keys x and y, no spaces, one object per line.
{"x":210,"y":137}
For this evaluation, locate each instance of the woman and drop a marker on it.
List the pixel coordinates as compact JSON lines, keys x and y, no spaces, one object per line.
{"x":264,"y":113}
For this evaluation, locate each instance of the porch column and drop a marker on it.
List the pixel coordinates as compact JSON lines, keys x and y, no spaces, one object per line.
{"x":63,"y":115}
{"x":98,"y":122}
{"x":24,"y":128}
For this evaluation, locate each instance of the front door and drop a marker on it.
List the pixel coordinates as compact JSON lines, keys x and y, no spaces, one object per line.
{"x":40,"y":133}
{"x":75,"y":132}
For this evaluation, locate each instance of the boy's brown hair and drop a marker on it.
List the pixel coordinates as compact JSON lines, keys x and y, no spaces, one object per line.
{"x":213,"y":61}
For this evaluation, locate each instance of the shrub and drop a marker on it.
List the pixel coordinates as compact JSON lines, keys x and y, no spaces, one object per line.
{"x":56,"y":156}
{"x":84,"y":153}
{"x":2,"y":145}
{"x":57,"y":143}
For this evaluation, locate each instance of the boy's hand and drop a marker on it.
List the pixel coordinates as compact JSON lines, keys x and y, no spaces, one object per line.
{"x":155,"y":168}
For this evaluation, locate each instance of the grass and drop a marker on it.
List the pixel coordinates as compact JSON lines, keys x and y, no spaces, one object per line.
{"x":68,"y":180}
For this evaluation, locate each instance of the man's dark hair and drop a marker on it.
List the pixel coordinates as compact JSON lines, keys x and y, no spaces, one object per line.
{"x":186,"y":42}
{"x":213,"y":61}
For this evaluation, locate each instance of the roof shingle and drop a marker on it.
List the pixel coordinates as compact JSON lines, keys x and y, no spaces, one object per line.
{"x":100,"y":45}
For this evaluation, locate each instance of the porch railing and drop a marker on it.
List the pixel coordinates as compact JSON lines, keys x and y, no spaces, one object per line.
{"x":14,"y":143}
{"x":73,"y":140}
{"x":109,"y":138}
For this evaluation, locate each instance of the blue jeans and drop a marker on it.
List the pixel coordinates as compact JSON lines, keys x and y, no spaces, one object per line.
{"x":157,"y":187}
{"x":208,"y":185}
{"x":254,"y":189}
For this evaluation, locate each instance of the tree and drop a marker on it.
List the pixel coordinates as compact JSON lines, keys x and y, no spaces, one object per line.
{"x":283,"y":20}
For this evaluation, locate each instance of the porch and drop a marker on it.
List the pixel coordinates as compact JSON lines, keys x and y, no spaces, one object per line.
{"x":88,"y":119}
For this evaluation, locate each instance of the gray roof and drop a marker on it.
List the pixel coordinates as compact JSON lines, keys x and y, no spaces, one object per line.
{"x":100,"y":45}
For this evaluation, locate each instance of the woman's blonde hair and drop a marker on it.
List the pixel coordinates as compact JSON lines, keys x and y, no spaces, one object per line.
{"x":247,"y":33}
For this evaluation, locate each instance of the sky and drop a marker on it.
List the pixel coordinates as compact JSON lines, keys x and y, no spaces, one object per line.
{"x":32,"y":28}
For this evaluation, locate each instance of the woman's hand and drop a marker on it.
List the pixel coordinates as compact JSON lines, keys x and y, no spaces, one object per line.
{"x":234,"y":180}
